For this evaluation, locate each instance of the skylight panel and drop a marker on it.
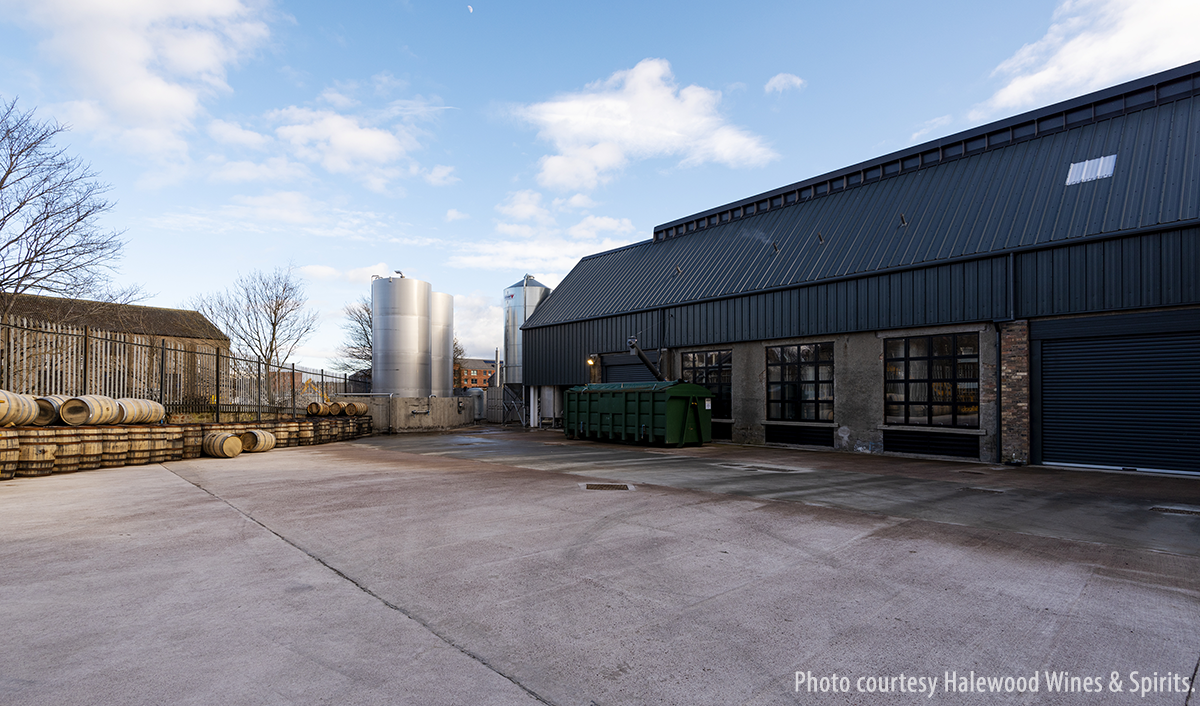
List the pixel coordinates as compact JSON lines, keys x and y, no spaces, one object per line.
{"x":1091,"y":170}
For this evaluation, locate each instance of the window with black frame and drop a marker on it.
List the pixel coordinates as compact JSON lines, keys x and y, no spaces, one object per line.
{"x":800,"y":382}
{"x":932,"y":380}
{"x":713,"y":370}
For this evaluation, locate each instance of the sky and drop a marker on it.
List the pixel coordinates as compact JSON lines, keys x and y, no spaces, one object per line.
{"x":469,"y":145}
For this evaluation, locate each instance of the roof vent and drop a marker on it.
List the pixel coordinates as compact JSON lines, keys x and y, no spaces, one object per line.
{"x":1091,"y":170}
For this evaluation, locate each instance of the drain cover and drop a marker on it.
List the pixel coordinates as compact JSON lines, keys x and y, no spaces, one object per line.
{"x":1175,"y":510}
{"x":606,"y":486}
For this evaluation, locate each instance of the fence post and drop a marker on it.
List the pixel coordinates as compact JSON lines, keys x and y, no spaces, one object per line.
{"x":293,"y":391}
{"x":218,"y":395}
{"x":162,"y":376}
{"x":258,"y":397}
{"x":86,"y":364}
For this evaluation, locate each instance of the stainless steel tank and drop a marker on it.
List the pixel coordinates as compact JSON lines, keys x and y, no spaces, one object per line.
{"x":400,"y":342}
{"x":519,"y":302}
{"x":441,"y":332}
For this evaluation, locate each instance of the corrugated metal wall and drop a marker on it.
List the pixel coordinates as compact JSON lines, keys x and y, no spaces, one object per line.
{"x":1159,"y":269}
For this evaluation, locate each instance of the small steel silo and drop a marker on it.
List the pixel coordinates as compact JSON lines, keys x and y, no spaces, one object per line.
{"x":400,"y":330}
{"x":519,"y":302}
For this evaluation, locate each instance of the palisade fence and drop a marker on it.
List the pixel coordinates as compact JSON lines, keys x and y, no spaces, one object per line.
{"x":189,"y":377}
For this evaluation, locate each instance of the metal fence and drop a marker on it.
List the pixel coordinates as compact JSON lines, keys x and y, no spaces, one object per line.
{"x":187,"y":376}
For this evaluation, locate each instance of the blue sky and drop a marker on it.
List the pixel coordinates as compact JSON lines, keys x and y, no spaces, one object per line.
{"x":468,"y":145}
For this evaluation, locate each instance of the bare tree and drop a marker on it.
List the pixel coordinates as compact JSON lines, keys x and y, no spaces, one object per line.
{"x":50,"y":202}
{"x":456,"y":357}
{"x":263,"y":314}
{"x":355,"y":352}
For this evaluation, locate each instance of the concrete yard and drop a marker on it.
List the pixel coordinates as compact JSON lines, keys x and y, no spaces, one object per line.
{"x":477,"y":568}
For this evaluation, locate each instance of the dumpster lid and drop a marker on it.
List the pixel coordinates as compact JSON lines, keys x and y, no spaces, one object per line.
{"x":676,"y":387}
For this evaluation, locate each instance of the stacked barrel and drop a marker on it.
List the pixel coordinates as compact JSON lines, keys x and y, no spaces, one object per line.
{"x":60,"y":434}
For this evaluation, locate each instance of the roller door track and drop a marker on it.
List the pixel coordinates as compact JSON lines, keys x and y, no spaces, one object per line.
{"x":1122,"y":402}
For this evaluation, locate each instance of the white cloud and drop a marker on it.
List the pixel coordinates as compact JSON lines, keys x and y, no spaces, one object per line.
{"x":441,"y":175}
{"x":358,"y":275}
{"x":228,"y":133}
{"x":633,"y":115}
{"x":1092,"y":44}
{"x":343,"y":144}
{"x":479,"y":324}
{"x":455,"y":215}
{"x":930,"y":125}
{"x":525,"y":205}
{"x":143,"y":69}
{"x":577,"y":202}
{"x":337,"y":98}
{"x":275,"y":169}
{"x":287,"y":212}
{"x":782,"y":82}
{"x":590,"y":226}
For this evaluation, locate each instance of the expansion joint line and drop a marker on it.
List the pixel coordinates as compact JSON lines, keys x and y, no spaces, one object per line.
{"x":444,"y":638}
{"x":1195,"y":673}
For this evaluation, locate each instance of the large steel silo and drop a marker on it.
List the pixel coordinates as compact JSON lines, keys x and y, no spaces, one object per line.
{"x":400,"y":331}
{"x":519,"y":302}
{"x":441,"y":331}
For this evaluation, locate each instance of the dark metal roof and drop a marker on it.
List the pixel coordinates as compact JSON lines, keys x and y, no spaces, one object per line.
{"x":119,"y":318}
{"x":996,"y":188}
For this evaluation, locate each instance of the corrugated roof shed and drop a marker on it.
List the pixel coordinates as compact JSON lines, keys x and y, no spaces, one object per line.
{"x":120,"y":318}
{"x":1000,"y":187}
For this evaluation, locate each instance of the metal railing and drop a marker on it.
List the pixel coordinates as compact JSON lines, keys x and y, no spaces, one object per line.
{"x":187,"y":376}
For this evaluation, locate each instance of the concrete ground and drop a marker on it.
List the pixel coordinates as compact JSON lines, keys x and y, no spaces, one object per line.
{"x":477,"y":568}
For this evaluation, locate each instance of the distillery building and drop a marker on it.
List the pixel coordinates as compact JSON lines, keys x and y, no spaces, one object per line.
{"x":1026,"y":291}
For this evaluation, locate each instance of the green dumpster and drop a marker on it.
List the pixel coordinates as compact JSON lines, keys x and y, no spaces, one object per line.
{"x":676,"y":413}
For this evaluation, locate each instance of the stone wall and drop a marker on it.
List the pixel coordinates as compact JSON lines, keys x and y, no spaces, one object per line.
{"x":1014,"y":391}
{"x":397,"y":414}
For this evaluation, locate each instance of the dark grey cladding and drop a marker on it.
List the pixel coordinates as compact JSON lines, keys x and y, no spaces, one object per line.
{"x":974,"y":196}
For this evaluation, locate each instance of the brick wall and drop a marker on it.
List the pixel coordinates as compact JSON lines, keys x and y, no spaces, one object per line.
{"x":1014,"y":391}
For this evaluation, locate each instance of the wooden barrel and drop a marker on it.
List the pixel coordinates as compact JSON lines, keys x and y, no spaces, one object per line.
{"x":305,"y":434}
{"x":335,"y":408}
{"x":133,"y":411}
{"x":318,"y":409}
{"x":36,"y":454}
{"x":257,"y":441}
{"x":222,"y":445}
{"x":68,"y":449}
{"x":48,"y":409}
{"x":17,"y":410}
{"x":193,"y":437}
{"x":141,"y":441}
{"x":115,"y":447}
{"x":160,"y":444}
{"x":10,"y":452}
{"x":89,"y":410}
{"x":287,"y":434}
{"x":91,"y":453}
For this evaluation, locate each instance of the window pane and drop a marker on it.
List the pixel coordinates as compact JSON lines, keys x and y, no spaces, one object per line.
{"x":687,"y":376}
{"x":918,"y":369}
{"x":790,"y":372}
{"x":968,"y":368}
{"x":773,"y":355}
{"x":918,"y":392}
{"x":808,"y":391}
{"x":808,"y":354}
{"x":789,"y":354}
{"x":941,"y":415}
{"x":943,"y":346}
{"x":808,"y":411}
{"x":968,"y":393}
{"x":943,"y":392}
{"x":688,"y":360}
{"x":826,"y":372}
{"x":918,"y":348}
{"x":825,"y":391}
{"x":774,"y":373}
{"x":894,"y":347}
{"x":825,"y":411}
{"x":894,"y":392}
{"x":894,"y":413}
{"x":918,"y":414}
{"x":712,"y":358}
{"x":968,"y":416}
{"x":698,"y":376}
{"x":894,"y":370}
{"x":774,"y":392}
{"x":808,"y":372}
{"x":774,"y":410}
{"x":943,"y":369}
{"x":968,"y":343}
{"x":826,"y":351}
{"x":726,"y":358}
